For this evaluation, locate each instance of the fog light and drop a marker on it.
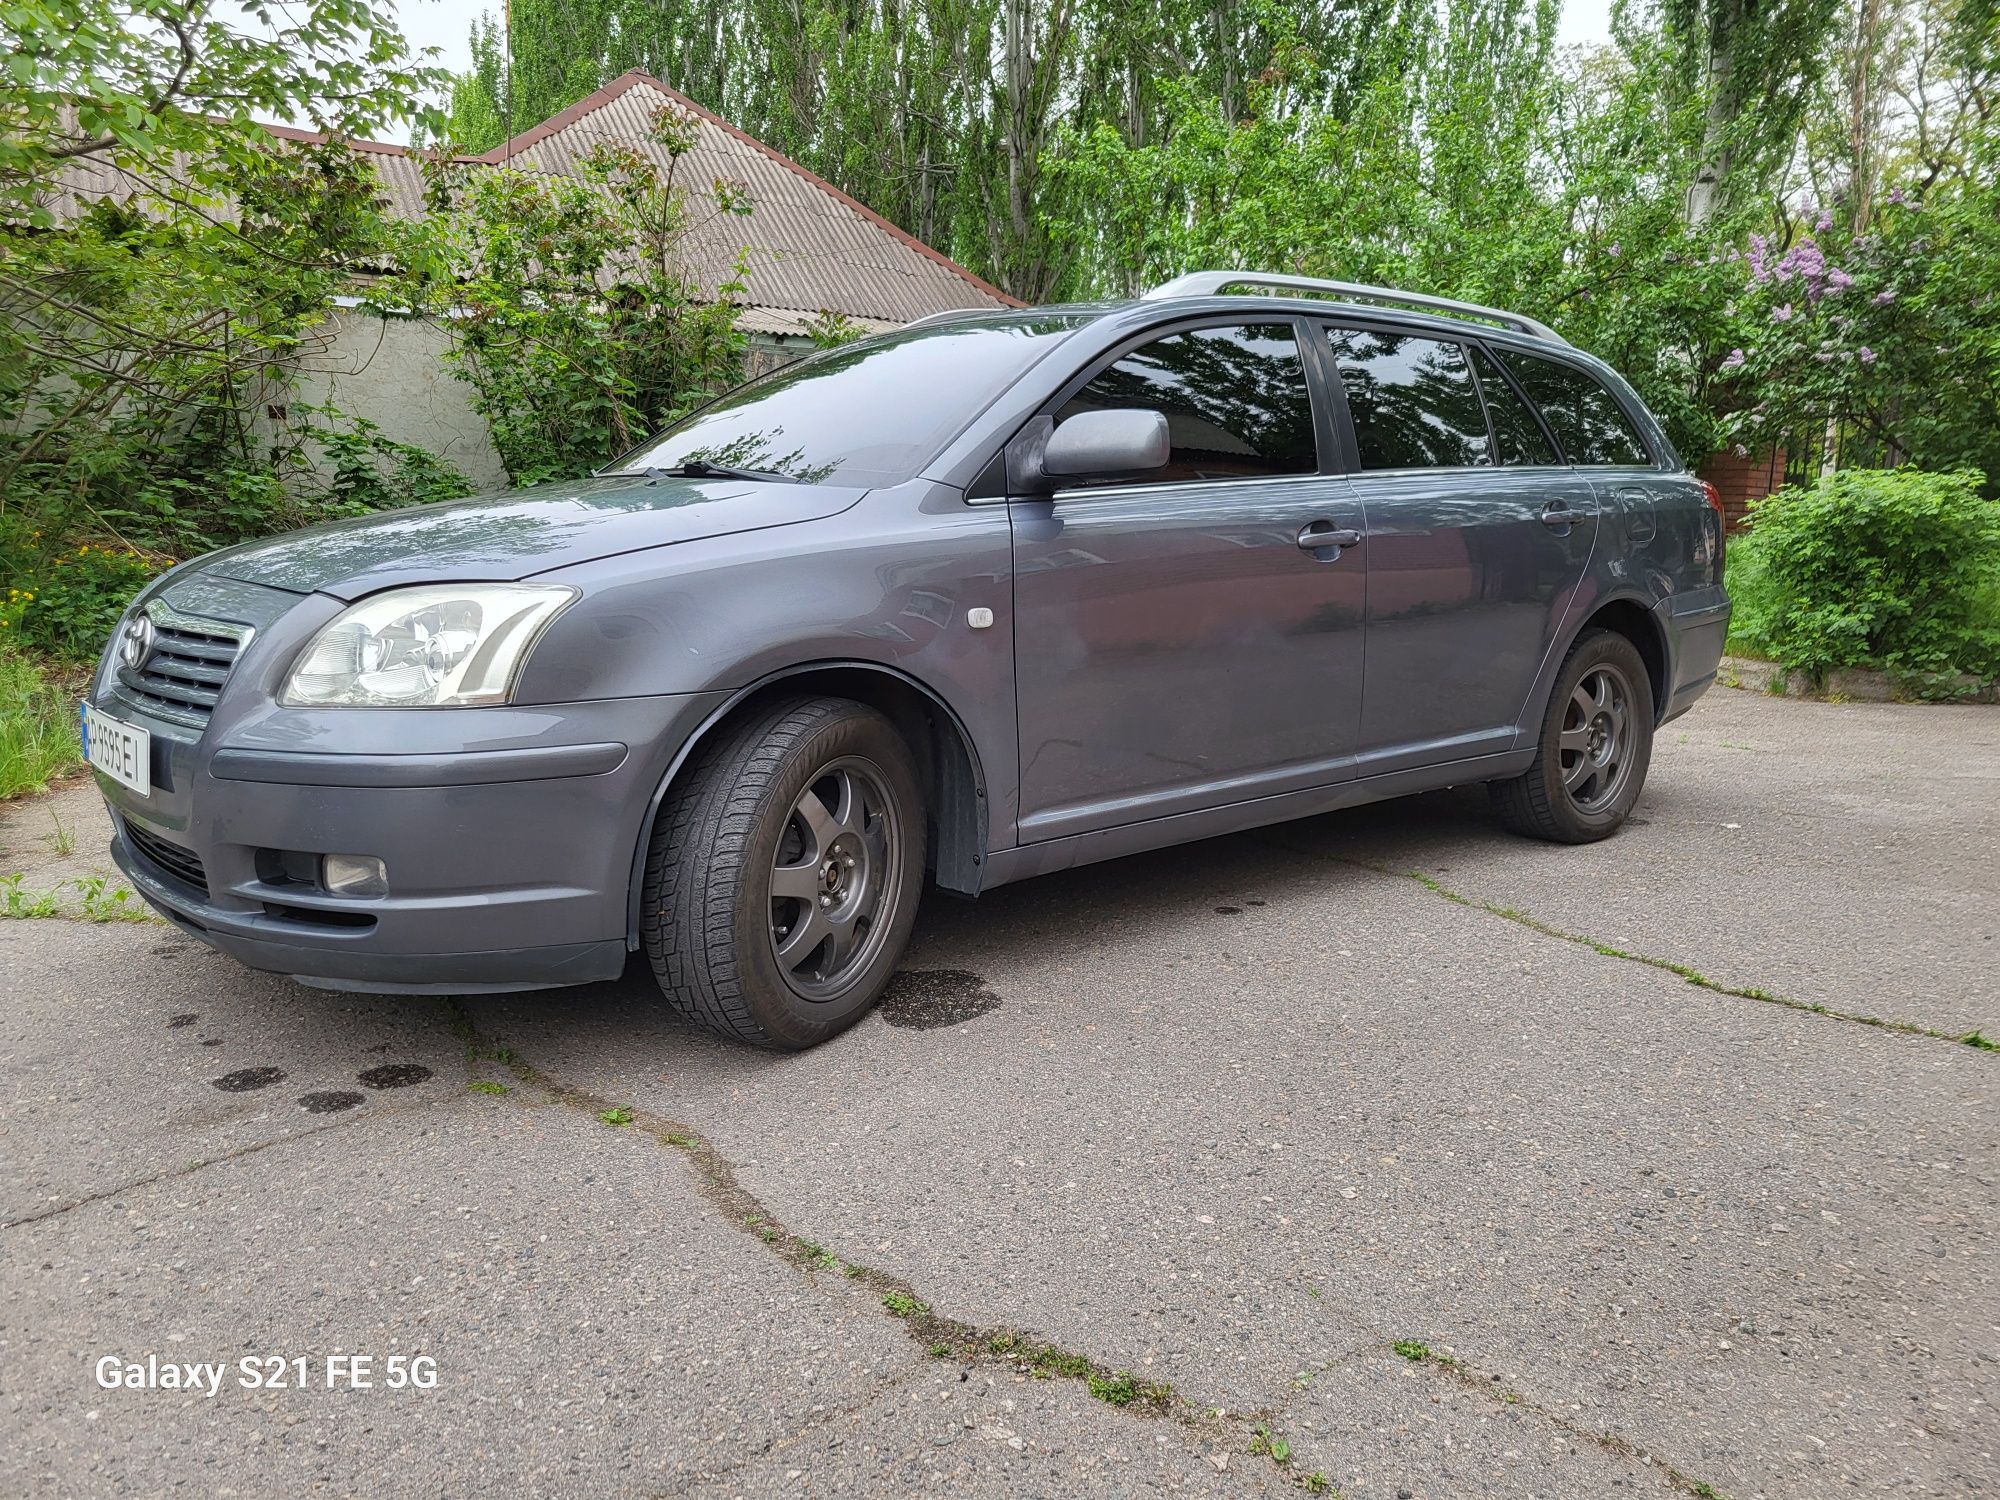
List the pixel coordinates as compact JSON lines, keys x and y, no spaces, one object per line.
{"x":354,"y":875}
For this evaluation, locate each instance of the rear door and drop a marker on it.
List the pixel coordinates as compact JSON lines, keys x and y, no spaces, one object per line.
{"x":1191,"y":637}
{"x":1601,"y":441}
{"x":1478,"y":537}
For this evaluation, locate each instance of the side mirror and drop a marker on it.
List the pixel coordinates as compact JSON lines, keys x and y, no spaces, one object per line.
{"x":1107,"y":442}
{"x":1089,"y":443}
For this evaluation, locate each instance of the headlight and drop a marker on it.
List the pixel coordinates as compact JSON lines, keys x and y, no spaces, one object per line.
{"x":432,"y":647}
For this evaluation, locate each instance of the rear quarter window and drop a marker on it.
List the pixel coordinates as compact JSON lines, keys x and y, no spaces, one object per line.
{"x":1585,"y":417}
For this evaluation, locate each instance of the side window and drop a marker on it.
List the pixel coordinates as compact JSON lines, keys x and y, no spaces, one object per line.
{"x":1515,"y":429}
{"x":1235,"y":399}
{"x":1411,"y":399}
{"x":1586,"y":419}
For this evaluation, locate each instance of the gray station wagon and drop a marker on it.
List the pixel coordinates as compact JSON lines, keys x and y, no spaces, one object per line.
{"x":994,"y":595}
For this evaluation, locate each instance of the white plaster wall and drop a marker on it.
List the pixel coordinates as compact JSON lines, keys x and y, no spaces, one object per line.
{"x":392,"y":371}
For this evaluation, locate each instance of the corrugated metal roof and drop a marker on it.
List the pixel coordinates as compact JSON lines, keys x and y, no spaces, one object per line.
{"x":807,"y":245}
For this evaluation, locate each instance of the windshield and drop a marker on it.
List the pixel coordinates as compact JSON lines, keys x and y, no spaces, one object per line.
{"x":865,"y":414}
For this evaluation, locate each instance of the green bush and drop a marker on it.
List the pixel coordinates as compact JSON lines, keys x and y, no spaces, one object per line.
{"x":1890,"y":568}
{"x":64,"y":598}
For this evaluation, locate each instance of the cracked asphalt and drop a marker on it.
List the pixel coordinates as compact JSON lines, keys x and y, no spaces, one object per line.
{"x":1236,"y":1119}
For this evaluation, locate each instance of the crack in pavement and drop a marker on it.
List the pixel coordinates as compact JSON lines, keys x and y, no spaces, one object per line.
{"x":252,"y":1149}
{"x":1482,"y":1383}
{"x":948,"y":1338}
{"x":813,"y":1422}
{"x":1687,"y":972}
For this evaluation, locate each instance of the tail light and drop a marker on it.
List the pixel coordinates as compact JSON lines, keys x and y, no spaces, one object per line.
{"x":1721,"y":519}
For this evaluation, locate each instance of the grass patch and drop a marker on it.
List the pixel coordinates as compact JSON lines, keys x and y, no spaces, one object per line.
{"x":903,"y":1305}
{"x":1412,"y":1349}
{"x":615,"y":1116}
{"x":37,"y":727}
{"x":486,"y":1086}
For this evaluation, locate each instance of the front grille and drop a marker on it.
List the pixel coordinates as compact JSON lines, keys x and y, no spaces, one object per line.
{"x":183,"y":674}
{"x":169,"y":859}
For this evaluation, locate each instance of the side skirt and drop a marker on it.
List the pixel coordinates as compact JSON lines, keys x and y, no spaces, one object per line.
{"x":1003,"y":866}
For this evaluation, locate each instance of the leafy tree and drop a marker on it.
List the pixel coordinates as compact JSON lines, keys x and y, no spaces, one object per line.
{"x":574,"y":316}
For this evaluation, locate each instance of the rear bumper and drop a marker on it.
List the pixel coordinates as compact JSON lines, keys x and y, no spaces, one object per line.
{"x":509,"y":866}
{"x":1696,"y":625}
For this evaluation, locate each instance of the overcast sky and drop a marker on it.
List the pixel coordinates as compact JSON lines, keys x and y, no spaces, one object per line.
{"x":447,"y":25}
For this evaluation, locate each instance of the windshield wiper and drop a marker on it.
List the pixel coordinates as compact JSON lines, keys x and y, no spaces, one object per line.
{"x":701,"y":468}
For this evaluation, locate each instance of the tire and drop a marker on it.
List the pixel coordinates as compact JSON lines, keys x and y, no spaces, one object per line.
{"x":1596,"y":743}
{"x":715,"y":906}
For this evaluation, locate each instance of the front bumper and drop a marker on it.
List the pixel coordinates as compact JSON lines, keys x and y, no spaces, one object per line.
{"x":509,"y":834}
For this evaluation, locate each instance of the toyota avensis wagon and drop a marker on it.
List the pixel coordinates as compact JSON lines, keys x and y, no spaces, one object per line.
{"x":994,"y":595}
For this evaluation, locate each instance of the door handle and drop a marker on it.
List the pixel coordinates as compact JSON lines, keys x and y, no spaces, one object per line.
{"x":1559,"y":515}
{"x":1320,"y":535}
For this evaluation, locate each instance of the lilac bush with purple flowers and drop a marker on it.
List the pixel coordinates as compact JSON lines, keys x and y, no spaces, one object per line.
{"x":1877,"y":348}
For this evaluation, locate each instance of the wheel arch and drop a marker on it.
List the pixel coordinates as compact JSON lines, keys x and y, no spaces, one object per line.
{"x":1634,"y":619}
{"x":948,"y":764}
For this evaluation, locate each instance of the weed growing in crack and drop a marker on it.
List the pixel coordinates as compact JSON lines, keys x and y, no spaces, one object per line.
{"x":816,"y":1257}
{"x":1414,"y":1350}
{"x":15,"y":901}
{"x":107,"y":905}
{"x":1266,"y":1443}
{"x":487,"y":1086}
{"x":1118,"y":1388}
{"x":853,"y":1270}
{"x":903,"y":1305}
{"x":1317,"y":1483}
{"x":1982,"y":1043}
{"x":615,"y":1116}
{"x":1049,"y":1361}
{"x":939,"y":1351}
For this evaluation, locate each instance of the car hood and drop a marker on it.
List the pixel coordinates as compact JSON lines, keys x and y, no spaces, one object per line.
{"x":518,"y":533}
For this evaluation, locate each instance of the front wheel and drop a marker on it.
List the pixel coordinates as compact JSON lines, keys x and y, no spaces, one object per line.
{"x":1596,"y":743}
{"x":783,"y":875}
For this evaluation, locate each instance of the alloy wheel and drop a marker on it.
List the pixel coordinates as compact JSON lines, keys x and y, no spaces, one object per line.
{"x":834,"y":879}
{"x":1596,"y":744}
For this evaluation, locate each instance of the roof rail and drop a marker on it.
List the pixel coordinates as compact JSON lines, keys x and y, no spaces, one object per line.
{"x":1212,"y":283}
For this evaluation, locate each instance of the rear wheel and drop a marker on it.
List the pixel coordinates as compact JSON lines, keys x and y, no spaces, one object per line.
{"x":1596,"y":743}
{"x":784,"y":872}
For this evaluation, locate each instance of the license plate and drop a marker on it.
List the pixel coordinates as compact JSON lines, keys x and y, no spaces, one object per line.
{"x":122,"y":751}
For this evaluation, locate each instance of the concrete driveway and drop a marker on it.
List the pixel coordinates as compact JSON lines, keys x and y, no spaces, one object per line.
{"x":1383,"y":1153}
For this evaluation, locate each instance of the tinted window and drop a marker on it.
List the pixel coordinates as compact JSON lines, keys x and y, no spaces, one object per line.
{"x":1587,"y":421}
{"x":1411,"y":400}
{"x":864,"y":414}
{"x":1515,"y":429}
{"x":1235,"y":400}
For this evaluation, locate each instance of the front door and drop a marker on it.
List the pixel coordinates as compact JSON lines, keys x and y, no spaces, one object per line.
{"x":1477,"y":540}
{"x":1192,"y":637}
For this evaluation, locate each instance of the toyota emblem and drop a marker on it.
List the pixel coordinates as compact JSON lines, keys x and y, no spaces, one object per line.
{"x":138,"y":643}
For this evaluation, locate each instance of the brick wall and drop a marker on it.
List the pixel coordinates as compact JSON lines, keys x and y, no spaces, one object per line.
{"x":1742,"y":477}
